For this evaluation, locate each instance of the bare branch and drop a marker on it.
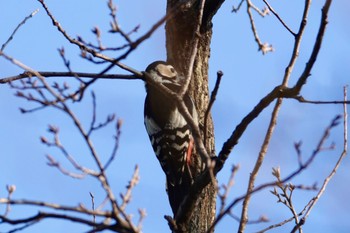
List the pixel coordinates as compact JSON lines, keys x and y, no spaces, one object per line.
{"x":48,"y":74}
{"x":116,"y":143}
{"x":83,"y":47}
{"x":317,"y":46}
{"x":263,"y":47}
{"x":10,"y":190}
{"x":227,"y":187}
{"x":56,"y":143}
{"x":16,"y":29}
{"x":142,"y":214}
{"x":53,"y":163}
{"x":210,"y":10}
{"x":133,"y":45}
{"x":53,"y":206}
{"x":285,"y":221}
{"x":286,"y":196}
{"x":279,"y":18}
{"x":43,"y":215}
{"x":301,"y":168}
{"x":119,"y":215}
{"x":93,"y":206}
{"x":114,"y":24}
{"x":236,"y":9}
{"x":279,"y":91}
{"x":334,"y":170}
{"x":93,"y":125}
{"x":302,"y":100}
{"x":126,"y":198}
{"x":211,"y":102}
{"x":120,"y":225}
{"x":262,"y":12}
{"x":261,"y":219}
{"x":258,"y":163}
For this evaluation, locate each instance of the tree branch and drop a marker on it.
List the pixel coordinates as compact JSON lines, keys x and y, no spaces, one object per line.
{"x":85,"y":48}
{"x":284,"y":222}
{"x":317,"y":46}
{"x":301,"y":168}
{"x":43,"y":215}
{"x":78,"y":209}
{"x":16,"y":29}
{"x":302,"y":100}
{"x":47,"y":74}
{"x":279,"y":18}
{"x":334,"y":170}
{"x":210,"y":9}
{"x":219,"y":75}
{"x":258,"y":163}
{"x":263,"y":47}
{"x":279,"y":91}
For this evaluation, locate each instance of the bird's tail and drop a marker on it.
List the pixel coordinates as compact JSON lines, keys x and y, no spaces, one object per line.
{"x":177,"y":193}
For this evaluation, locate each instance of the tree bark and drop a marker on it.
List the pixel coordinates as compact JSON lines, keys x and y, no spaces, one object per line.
{"x":179,"y":41}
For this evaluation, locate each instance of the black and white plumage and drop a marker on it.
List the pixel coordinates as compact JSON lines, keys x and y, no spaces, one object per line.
{"x":169,"y":132}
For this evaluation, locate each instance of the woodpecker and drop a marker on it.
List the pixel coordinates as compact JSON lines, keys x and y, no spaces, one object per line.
{"x":169,"y":132}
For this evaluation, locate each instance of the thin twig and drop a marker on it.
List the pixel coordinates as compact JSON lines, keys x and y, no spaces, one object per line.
{"x":286,"y":196}
{"x":279,"y":18}
{"x":93,"y":206}
{"x":116,"y":143}
{"x":43,"y":215}
{"x":261,"y":219}
{"x":114,"y":24}
{"x":285,"y":221}
{"x":126,"y":198}
{"x":48,"y":74}
{"x":142,"y":214}
{"x":56,"y":143}
{"x":227,"y":188}
{"x":16,"y":29}
{"x":236,"y":9}
{"x":53,"y":163}
{"x":263,"y":47}
{"x":213,"y":95}
{"x":54,"y":206}
{"x":302,"y":100}
{"x":10,"y":190}
{"x":93,"y":120}
{"x":262,"y":12}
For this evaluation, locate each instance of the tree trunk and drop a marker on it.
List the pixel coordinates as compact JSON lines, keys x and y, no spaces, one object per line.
{"x":179,"y":39}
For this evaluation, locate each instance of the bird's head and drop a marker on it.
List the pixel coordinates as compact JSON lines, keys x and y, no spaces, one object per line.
{"x":166,"y":74}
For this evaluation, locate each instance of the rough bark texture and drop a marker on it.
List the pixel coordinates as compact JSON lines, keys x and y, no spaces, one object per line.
{"x":179,"y":39}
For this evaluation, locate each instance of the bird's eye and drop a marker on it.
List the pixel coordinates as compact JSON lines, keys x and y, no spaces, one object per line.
{"x":172,"y":70}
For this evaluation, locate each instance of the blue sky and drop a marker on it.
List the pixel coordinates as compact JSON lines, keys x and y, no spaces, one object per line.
{"x":248,"y":76}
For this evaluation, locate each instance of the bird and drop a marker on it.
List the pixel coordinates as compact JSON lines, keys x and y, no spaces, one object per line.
{"x":169,"y":132}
